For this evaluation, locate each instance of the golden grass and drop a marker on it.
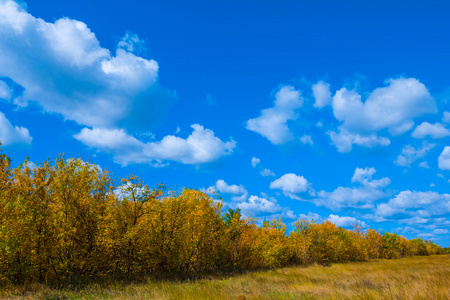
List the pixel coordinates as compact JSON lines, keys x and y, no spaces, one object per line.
{"x":406,"y":278}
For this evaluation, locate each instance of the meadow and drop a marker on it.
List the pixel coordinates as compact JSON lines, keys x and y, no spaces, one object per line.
{"x":418,"y":277}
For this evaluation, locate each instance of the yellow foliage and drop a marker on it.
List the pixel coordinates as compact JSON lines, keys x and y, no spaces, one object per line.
{"x":69,"y":221}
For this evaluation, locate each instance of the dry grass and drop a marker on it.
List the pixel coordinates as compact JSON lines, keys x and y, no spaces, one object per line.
{"x":407,"y":278}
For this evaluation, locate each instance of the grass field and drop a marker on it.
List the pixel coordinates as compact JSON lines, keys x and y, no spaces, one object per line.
{"x":407,"y":278}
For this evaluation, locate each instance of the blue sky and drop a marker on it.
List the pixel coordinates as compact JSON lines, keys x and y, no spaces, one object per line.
{"x":331,"y":110}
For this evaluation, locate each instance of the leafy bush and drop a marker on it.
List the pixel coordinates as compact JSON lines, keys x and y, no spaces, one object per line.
{"x":68,"y":221}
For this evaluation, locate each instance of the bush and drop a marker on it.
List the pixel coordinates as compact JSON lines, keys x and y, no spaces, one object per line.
{"x":68,"y":221}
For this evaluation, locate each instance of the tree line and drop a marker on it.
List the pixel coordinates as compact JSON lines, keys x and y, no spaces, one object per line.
{"x":67,"y":221}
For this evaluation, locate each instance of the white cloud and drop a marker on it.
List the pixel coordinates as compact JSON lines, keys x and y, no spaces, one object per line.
{"x":131,"y":43}
{"x":408,"y":199}
{"x":306,"y":139}
{"x":440,"y":231}
{"x":128,"y":189}
{"x":238,"y":191}
{"x":10,"y":134}
{"x":31,"y":165}
{"x":410,"y":154}
{"x":418,"y":204}
{"x":344,"y":140}
{"x":322,"y":94}
{"x":444,"y":159}
{"x":426,"y":235}
{"x":424,"y":164}
{"x":392,"y":107}
{"x":438,"y":222}
{"x":267,"y":172}
{"x":345,"y":221}
{"x":5,"y":91}
{"x":418,"y":224}
{"x":386,"y":210}
{"x":363,"y":175}
{"x":255,"y":161}
{"x":201,"y":147}
{"x":291,"y":185}
{"x":446,"y":117}
{"x":361,"y":196}
{"x":62,"y":66}
{"x":258,"y":206}
{"x":414,"y":221}
{"x":435,"y":131}
{"x":272,"y":123}
{"x":310,"y":217}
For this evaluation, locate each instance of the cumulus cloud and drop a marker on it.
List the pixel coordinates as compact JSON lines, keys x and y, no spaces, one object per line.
{"x":310,"y":217}
{"x":255,"y":161}
{"x":266,"y":208}
{"x":238,"y":191}
{"x":345,"y":221}
{"x":10,"y":134}
{"x":322,"y":94}
{"x":417,"y":204}
{"x":444,"y":159}
{"x":201,"y":147}
{"x":424,"y":165}
{"x":62,"y":66}
{"x":272,"y":123}
{"x":392,"y":107}
{"x":129,"y":190}
{"x":5,"y":91}
{"x":306,"y":139}
{"x":132,"y":43}
{"x":257,"y":205}
{"x":435,"y":131}
{"x":291,"y":185}
{"x":344,"y":140}
{"x":363,"y":176}
{"x":410,"y":154}
{"x":267,"y":172}
{"x":361,"y":196}
{"x":446,"y":117}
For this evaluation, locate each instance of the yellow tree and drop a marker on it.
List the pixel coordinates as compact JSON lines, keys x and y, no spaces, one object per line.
{"x":300,"y":241}
{"x":82,"y":197}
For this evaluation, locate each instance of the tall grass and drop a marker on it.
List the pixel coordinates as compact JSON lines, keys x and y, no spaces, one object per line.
{"x":407,"y":278}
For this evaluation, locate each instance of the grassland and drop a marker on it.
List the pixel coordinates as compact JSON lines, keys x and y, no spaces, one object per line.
{"x":407,"y":278}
